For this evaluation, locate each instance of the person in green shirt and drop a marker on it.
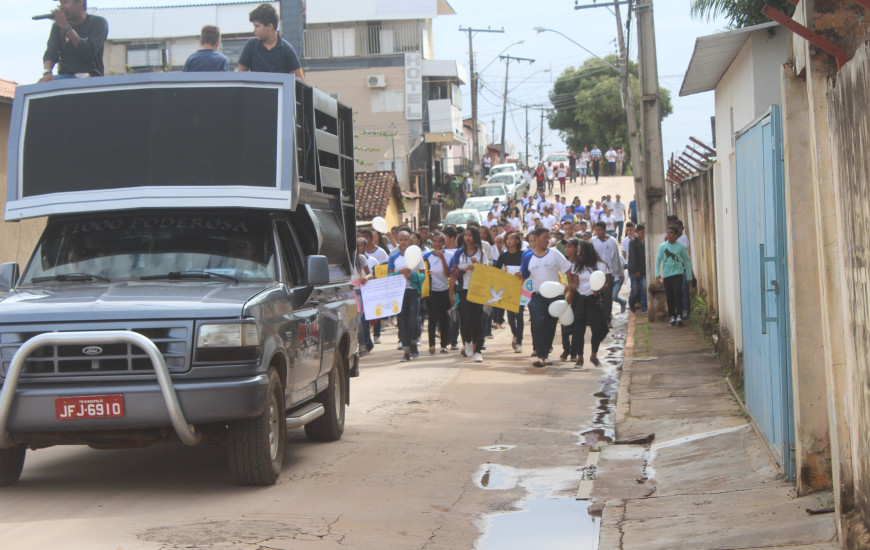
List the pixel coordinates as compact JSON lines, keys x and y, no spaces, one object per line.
{"x":671,"y":260}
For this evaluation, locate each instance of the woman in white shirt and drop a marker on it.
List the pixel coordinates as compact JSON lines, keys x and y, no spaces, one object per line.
{"x":586,"y":304}
{"x":470,"y":314}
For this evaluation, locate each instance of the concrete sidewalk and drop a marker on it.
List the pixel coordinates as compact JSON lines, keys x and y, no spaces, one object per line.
{"x":706,"y":481}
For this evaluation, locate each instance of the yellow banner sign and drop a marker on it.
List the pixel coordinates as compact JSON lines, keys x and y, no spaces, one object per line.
{"x":380,"y":271}
{"x":493,"y":287}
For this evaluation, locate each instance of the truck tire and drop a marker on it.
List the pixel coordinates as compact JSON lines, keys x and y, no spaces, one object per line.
{"x":330,"y":426}
{"x":11,"y":463}
{"x":256,"y":445}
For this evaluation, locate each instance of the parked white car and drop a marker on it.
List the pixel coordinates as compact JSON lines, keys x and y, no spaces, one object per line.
{"x":514,"y":182}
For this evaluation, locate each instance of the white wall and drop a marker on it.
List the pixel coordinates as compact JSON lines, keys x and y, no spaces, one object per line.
{"x":336,"y":11}
{"x":746,"y":91}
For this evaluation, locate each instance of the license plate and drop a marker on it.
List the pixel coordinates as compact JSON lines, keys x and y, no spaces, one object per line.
{"x":91,"y":406}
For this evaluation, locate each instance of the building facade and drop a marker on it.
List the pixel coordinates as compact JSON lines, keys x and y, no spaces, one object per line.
{"x":373,"y":55}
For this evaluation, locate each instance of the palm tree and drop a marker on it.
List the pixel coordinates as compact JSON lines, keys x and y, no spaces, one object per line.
{"x":738,"y":13}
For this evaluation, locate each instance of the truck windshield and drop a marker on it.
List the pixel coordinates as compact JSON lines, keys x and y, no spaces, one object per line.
{"x":136,"y":246}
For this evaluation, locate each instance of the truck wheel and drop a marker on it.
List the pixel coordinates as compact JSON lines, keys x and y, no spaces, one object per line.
{"x":256,"y":445}
{"x":11,"y":463}
{"x":330,"y":426}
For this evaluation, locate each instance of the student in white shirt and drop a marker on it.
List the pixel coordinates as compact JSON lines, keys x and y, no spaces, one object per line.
{"x":542,"y":264}
{"x":629,"y":235}
{"x":470,"y":314}
{"x":618,"y":209}
{"x":585,"y":303}
{"x":490,"y":220}
{"x":559,"y":207}
{"x":548,"y":220}
{"x":530,"y":216}
{"x":609,"y":223}
{"x":608,"y":251}
{"x":438,"y":302}
{"x":514,"y":221}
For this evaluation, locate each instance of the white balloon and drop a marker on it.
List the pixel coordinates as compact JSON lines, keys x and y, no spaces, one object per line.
{"x":551,"y":289}
{"x":413,"y":256}
{"x":597,"y":280}
{"x":379,"y":224}
{"x":558,"y":307}
{"x":567,"y":318}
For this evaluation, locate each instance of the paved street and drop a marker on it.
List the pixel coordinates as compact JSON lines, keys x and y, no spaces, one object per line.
{"x":439,"y":453}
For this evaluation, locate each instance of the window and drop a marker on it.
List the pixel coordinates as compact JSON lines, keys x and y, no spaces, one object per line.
{"x":388,"y":101}
{"x":145,"y":56}
{"x":233,"y":50}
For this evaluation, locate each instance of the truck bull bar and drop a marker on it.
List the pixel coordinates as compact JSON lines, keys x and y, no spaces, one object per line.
{"x":184,"y":430}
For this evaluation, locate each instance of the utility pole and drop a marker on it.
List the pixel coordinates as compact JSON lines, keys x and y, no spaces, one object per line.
{"x":541,"y":143}
{"x":393,"y":137}
{"x":507,"y":64}
{"x":653,"y":155}
{"x":636,"y":152}
{"x":475,"y":147}
{"x":526,"y":160}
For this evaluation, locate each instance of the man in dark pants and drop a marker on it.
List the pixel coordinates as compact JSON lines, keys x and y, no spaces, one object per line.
{"x":543,"y":264}
{"x":608,"y":250}
{"x":637,"y":269}
{"x":76,"y":41}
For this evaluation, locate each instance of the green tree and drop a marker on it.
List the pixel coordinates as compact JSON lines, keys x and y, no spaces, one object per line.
{"x":738,"y":13}
{"x":588,"y":105}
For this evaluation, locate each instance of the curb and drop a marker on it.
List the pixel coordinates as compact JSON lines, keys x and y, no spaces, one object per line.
{"x":623,"y":407}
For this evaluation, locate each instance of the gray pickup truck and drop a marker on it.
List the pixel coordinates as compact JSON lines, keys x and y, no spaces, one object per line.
{"x":193,"y":279}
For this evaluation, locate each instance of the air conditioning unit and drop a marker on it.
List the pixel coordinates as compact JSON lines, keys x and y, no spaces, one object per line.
{"x":376,"y":81}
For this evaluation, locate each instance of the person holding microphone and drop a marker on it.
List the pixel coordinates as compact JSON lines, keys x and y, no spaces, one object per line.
{"x":75,"y":42}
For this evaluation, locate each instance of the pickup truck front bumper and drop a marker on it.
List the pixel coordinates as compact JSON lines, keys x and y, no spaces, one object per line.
{"x":160,"y":404}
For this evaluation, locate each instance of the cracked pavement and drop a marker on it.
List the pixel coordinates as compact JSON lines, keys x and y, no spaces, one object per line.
{"x":404,"y":475}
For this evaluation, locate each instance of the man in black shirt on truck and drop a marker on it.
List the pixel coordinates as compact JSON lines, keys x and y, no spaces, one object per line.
{"x":76,"y":42}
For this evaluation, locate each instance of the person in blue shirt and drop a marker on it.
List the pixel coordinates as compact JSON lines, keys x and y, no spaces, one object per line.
{"x":208,"y":59}
{"x":632,"y":211}
{"x":268,"y":52}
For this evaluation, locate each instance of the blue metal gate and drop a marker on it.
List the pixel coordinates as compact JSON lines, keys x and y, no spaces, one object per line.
{"x":764,"y":284}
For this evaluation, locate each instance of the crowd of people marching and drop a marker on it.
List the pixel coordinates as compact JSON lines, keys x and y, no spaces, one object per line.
{"x":534,"y":239}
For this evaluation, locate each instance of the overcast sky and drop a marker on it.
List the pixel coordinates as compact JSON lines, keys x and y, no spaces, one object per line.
{"x":22,"y":42}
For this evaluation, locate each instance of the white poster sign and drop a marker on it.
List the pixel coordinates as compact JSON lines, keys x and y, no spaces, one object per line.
{"x":413,"y":86}
{"x":383,"y":297}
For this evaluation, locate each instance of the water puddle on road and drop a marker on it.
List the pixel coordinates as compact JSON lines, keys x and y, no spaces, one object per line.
{"x":551,"y":523}
{"x":547,"y":517}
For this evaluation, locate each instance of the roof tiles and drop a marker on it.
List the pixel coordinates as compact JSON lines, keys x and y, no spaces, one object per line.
{"x":374,"y":192}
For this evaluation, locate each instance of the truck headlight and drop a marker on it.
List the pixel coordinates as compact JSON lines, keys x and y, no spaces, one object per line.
{"x":225,"y":342}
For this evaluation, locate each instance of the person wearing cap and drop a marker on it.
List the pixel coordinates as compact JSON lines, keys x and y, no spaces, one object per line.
{"x":530,"y":216}
{"x":75,"y":42}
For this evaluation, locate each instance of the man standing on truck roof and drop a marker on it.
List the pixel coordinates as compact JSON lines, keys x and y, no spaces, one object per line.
{"x":208,"y":59}
{"x":268,"y":52}
{"x":76,"y":41}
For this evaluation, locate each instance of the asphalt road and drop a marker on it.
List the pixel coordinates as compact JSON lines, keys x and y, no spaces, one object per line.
{"x":438,"y":453}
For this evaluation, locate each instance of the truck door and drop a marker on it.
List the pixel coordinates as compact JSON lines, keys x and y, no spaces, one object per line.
{"x":302,"y":328}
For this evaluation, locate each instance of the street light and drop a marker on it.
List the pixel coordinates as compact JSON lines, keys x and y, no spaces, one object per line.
{"x":539,"y":30}
{"x":501,"y":52}
{"x":527,"y":78}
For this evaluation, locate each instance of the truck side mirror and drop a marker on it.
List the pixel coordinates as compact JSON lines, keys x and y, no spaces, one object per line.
{"x":317,"y":270}
{"x":8,"y":275}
